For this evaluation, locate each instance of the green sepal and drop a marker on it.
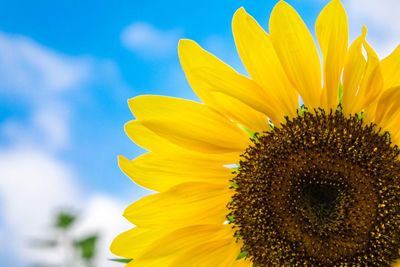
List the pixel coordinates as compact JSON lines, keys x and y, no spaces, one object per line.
{"x":303,"y":109}
{"x":247,"y":130}
{"x":242,"y":255}
{"x":121,"y":260}
{"x":360,"y":115}
{"x":231,"y":219}
{"x":233,"y":185}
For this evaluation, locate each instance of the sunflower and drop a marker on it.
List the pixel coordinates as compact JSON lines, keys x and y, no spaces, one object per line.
{"x":295,"y":165}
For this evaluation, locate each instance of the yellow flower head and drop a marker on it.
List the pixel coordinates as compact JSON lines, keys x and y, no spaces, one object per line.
{"x":296,"y":165}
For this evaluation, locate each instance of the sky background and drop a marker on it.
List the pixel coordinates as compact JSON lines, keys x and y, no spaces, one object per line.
{"x":67,"y":69}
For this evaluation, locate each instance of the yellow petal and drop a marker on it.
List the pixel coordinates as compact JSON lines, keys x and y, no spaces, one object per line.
{"x":332,"y":33}
{"x":169,"y":248}
{"x":158,"y":262}
{"x":261,"y":61}
{"x":235,"y":86}
{"x":132,"y":243}
{"x":188,"y":124}
{"x":186,"y":238}
{"x":388,"y":105}
{"x":372,"y":83}
{"x":297,"y":52}
{"x":387,"y":112}
{"x":362,"y":77}
{"x":184,"y":204}
{"x":161,"y":172}
{"x":220,"y":253}
{"x":242,"y":263}
{"x":396,"y":141}
{"x":207,"y":74}
{"x":396,"y":264}
{"x":353,"y":73}
{"x":248,"y":117}
{"x":150,"y":140}
{"x":391,"y":69}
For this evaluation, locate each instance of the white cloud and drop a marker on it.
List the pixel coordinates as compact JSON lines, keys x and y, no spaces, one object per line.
{"x":39,"y":74}
{"x":52,"y":125}
{"x":103,"y":215}
{"x":29,"y":67}
{"x":39,"y":77}
{"x":33,"y":185}
{"x":42,"y":80}
{"x":382,"y":19}
{"x":34,"y":181}
{"x":148,"y":41}
{"x":47,"y":126}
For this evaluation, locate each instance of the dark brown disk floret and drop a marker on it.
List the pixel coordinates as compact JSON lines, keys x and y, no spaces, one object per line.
{"x":322,"y":189}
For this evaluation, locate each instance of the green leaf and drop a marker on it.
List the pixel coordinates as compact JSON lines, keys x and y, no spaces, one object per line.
{"x":122,"y":260}
{"x":87,"y":247}
{"x":64,"y":220}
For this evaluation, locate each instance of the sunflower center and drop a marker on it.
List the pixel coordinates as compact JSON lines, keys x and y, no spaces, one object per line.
{"x":320,"y":201}
{"x":319,"y":190}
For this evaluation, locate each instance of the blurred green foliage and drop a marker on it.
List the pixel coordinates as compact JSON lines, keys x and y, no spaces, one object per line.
{"x":64,"y":220}
{"x":81,"y":249}
{"x":87,"y":247}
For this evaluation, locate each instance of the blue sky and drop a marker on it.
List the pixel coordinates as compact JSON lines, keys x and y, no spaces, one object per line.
{"x":67,"y":69}
{"x":93,"y":30}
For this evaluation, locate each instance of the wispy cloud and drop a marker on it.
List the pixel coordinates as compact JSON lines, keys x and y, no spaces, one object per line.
{"x":102,"y":215}
{"x":39,"y":77}
{"x":34,"y":185}
{"x":382,"y":19}
{"x":47,"y":126}
{"x":46,"y":81}
{"x":35,"y":182}
{"x":149,"y":41}
{"x":37,"y":68}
